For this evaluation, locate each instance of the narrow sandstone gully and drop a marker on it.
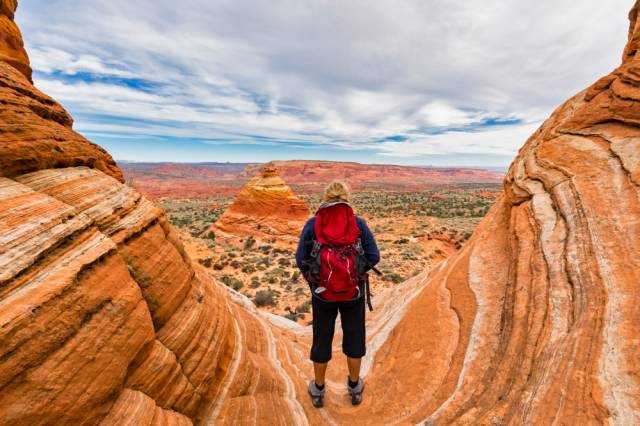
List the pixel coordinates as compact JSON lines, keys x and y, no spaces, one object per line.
{"x":389,"y":316}
{"x":385,"y":318}
{"x":476,"y":348}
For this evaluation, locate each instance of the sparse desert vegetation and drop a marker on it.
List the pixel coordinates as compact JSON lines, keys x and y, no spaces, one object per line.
{"x":414,"y":230}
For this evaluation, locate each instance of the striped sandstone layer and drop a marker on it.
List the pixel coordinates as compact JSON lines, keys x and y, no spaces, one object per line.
{"x":265,"y":208}
{"x":104,"y":319}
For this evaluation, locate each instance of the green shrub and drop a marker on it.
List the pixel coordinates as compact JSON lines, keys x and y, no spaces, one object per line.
{"x":232,"y":282}
{"x":304,"y":308}
{"x":250,"y":243}
{"x":283,"y":261}
{"x":291,"y":316}
{"x":394,"y":278}
{"x":248,"y":269}
{"x":265,"y":248}
{"x":265,"y":298}
{"x":255,"y":282}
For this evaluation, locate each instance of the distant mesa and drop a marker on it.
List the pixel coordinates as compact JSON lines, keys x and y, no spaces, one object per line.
{"x":310,"y":174}
{"x":266,"y":208}
{"x":201,"y":180}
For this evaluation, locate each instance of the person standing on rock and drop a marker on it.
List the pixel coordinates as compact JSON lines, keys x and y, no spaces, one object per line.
{"x":335,"y":252}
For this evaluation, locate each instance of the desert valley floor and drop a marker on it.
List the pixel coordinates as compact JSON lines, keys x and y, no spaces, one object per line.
{"x":415,"y":230}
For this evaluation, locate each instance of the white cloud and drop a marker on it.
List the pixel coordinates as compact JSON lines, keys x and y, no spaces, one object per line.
{"x":441,"y":114}
{"x":498,"y":141}
{"x":345,"y":73}
{"x":49,"y":59}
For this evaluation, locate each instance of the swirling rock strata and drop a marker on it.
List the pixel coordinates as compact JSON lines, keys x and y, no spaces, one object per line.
{"x":104,"y":319}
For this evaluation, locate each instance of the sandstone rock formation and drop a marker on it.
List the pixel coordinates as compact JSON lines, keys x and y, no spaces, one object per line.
{"x":11,"y":45}
{"x":36,"y":130}
{"x":265,"y":208}
{"x":104,"y":319}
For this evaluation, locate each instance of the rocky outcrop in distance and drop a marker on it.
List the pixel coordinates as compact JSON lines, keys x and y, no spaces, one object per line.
{"x":104,"y":319}
{"x":175,"y":180}
{"x":312,"y":174}
{"x":265,"y":209}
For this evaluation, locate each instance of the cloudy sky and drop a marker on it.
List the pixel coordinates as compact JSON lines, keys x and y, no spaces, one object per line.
{"x":431,"y":82}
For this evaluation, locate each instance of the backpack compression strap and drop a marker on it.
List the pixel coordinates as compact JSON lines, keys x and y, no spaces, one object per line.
{"x":368,"y":289}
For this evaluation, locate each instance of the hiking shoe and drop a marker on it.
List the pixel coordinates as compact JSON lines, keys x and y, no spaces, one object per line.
{"x":356,"y":393}
{"x":317,"y":395}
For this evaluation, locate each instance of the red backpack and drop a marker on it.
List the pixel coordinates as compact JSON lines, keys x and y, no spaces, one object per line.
{"x":338,"y":264}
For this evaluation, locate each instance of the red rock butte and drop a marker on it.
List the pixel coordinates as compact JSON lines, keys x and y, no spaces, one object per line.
{"x":265,"y":208}
{"x":104,"y":319}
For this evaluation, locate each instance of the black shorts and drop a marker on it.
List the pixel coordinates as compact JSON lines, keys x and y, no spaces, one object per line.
{"x":324,"y":322}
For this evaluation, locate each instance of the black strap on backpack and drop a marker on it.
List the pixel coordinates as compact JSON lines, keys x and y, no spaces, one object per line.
{"x":368,"y":292}
{"x":368,"y":289}
{"x":362,"y":268}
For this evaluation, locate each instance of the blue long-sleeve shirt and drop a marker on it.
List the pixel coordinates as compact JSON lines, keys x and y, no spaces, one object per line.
{"x":305,"y":244}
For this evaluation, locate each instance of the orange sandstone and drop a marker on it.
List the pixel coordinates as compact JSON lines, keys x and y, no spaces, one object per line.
{"x":265,"y":208}
{"x":104,"y":319}
{"x":11,"y":45}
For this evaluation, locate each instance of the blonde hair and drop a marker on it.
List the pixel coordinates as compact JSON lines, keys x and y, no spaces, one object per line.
{"x":336,"y":192}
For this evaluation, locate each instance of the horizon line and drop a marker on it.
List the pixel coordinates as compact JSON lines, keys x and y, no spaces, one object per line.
{"x":489,"y":168}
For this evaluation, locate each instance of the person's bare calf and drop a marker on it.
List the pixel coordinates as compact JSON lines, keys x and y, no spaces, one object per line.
{"x":320,"y":371}
{"x":354,"y":368}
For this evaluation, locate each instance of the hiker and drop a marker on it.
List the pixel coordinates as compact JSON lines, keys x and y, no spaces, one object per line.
{"x":335,"y":251}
